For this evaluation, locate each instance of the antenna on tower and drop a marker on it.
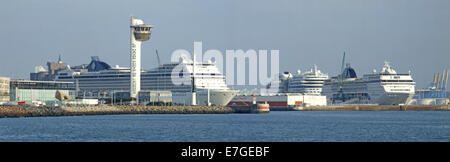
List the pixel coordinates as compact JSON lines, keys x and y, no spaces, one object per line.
{"x":59,"y":56}
{"x":157,"y":56}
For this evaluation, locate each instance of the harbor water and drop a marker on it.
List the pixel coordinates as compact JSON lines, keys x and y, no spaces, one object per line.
{"x":279,"y":126}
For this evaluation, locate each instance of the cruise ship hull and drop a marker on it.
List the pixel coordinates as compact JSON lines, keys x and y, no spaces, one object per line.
{"x":387,"y":98}
{"x":217,"y":97}
{"x":394,"y":98}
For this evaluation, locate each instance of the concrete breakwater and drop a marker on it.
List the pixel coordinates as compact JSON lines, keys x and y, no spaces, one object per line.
{"x":29,"y":111}
{"x":377,"y":108}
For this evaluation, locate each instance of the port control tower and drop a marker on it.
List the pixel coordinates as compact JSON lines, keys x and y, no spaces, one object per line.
{"x":139,"y":32}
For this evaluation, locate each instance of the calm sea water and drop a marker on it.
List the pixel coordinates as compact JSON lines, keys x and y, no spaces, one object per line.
{"x":274,"y":127}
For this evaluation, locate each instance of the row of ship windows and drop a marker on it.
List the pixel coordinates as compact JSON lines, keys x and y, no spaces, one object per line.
{"x":400,"y":90}
{"x":127,"y":76}
{"x":153,"y":81}
{"x":389,"y":81}
{"x":305,"y":86}
{"x":147,"y":86}
{"x":142,"y":88}
{"x":320,"y":80}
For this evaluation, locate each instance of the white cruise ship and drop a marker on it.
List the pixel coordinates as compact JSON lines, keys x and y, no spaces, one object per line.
{"x":98,"y":79}
{"x":384,"y":88}
{"x":309,"y":82}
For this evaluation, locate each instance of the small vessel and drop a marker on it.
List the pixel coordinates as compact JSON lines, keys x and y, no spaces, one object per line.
{"x":253,"y":107}
{"x":297,"y":108}
{"x":261,"y":108}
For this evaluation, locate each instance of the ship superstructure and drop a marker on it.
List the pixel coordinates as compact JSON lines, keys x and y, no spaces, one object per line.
{"x":309,"y":82}
{"x":384,"y":88}
{"x":100,"y":80}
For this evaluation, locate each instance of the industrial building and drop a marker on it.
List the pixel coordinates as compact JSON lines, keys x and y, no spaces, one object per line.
{"x":281,"y":101}
{"x":43,"y":75}
{"x":44,"y":91}
{"x":436,"y":93}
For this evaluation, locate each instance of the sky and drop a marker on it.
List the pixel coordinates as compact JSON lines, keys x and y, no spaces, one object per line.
{"x":411,"y":34}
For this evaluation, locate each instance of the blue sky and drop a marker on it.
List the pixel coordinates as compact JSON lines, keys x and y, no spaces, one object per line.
{"x":411,"y":34}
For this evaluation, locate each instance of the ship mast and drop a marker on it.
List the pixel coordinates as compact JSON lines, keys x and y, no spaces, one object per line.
{"x":194,"y":94}
{"x":341,"y":82}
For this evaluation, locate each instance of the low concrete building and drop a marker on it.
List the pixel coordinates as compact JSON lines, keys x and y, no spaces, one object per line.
{"x":155,"y":96}
{"x":28,"y":90}
{"x":4,"y":89}
{"x":145,"y":96}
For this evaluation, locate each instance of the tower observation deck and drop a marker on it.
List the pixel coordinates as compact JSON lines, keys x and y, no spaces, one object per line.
{"x":139,"y":32}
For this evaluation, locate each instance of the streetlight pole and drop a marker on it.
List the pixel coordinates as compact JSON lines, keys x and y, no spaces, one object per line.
{"x":303,"y":102}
